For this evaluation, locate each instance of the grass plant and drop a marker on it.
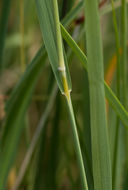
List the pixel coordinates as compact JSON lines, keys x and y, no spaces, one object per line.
{"x":76,"y":140}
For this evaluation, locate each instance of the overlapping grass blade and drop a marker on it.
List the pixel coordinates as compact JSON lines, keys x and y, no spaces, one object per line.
{"x":46,"y":17}
{"x":113,"y":100}
{"x":16,"y":108}
{"x":99,"y":136}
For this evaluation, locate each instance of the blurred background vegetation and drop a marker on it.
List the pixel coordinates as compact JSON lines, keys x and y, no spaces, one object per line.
{"x":52,"y":164}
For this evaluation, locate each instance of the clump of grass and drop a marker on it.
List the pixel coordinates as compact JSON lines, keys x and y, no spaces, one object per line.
{"x":51,"y":160}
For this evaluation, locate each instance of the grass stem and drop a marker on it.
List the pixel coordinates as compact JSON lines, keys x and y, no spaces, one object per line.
{"x":62,"y":68}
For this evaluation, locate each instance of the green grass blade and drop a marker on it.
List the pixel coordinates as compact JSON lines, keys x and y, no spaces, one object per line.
{"x":3,"y":27}
{"x":100,"y":147}
{"x":75,"y":48}
{"x":113,"y":100}
{"x":16,"y":108}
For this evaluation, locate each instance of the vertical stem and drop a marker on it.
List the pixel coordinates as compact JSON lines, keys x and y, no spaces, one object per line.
{"x":77,"y":145}
{"x":22,"y":55}
{"x":99,"y":133}
{"x":60,"y":50}
{"x":5,"y":11}
{"x":68,"y":98}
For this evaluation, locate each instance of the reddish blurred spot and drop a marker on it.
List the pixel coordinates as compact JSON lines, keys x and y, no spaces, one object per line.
{"x":109,"y":75}
{"x":101,"y":4}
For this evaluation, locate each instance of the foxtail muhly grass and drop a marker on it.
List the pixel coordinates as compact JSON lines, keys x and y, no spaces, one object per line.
{"x":99,"y":135}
